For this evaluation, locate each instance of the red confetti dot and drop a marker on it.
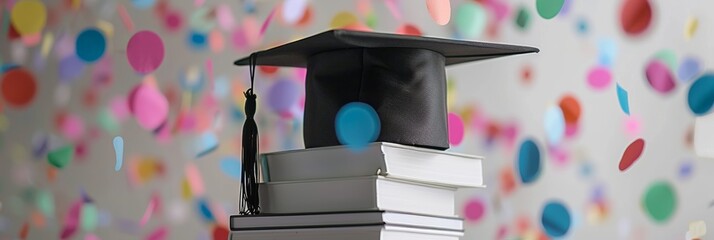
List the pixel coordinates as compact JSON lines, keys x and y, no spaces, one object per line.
{"x":636,"y":16}
{"x":24,"y":230}
{"x":409,"y":29}
{"x":268,"y":70}
{"x":18,"y":87}
{"x":632,"y":153}
{"x":220,"y":233}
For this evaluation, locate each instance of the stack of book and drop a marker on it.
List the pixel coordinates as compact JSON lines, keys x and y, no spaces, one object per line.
{"x":385,"y":191}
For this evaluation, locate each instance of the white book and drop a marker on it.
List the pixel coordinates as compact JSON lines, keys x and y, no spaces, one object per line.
{"x":379,"y":158}
{"x":343,"y":219}
{"x":356,"y":194}
{"x":378,"y":232}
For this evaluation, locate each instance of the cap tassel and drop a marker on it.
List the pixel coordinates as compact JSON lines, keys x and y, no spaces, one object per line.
{"x":250,"y":202}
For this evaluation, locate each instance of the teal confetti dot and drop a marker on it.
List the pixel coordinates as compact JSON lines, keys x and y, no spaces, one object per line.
{"x":549,"y":8}
{"x":701,"y":95}
{"x":528,"y":164}
{"x":659,"y":201}
{"x":622,"y":98}
{"x":470,"y":20}
{"x":206,"y":143}
{"x":45,"y":203}
{"x":204,"y":210}
{"x":556,"y":219}
{"x":357,"y":124}
{"x":143,"y":4}
{"x":523,"y":18}
{"x":90,"y":45}
{"x":89,"y":217}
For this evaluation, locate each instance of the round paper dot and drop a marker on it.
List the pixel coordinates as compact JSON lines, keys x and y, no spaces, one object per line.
{"x":88,"y":217}
{"x":173,"y":21}
{"x":523,"y":18}
{"x":440,"y":10}
{"x":283,"y":95}
{"x":549,"y":8}
{"x":635,"y":16}
{"x":686,"y":168}
{"x":690,"y":28}
{"x":409,"y":29}
{"x":28,"y":16}
{"x":571,"y":109}
{"x":599,"y":78}
{"x":700,"y":97}
{"x":631,"y":154}
{"x":293,"y":10}
{"x":659,"y":201}
{"x":18,"y":87}
{"x":143,"y":4}
{"x":528,"y":164}
{"x":470,"y":20}
{"x":659,"y":77}
{"x":456,"y":129}
{"x":90,"y":45}
{"x":145,"y":52}
{"x":474,"y":210}
{"x":357,"y":124}
{"x":231,"y":166}
{"x":582,"y":26}
{"x":149,"y":106}
{"x":554,"y":125}
{"x":215,"y":41}
{"x":70,"y":68}
{"x":219,"y":232}
{"x":607,"y":51}
{"x":688,"y":69}
{"x":197,"y":40}
{"x":555,"y":219}
{"x":343,"y":19}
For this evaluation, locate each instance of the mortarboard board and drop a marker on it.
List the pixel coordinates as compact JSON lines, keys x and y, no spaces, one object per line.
{"x":403,"y":78}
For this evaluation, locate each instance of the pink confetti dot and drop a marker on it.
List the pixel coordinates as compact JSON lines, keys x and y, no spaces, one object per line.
{"x":599,"y":78}
{"x":456,"y":129}
{"x":474,"y":210}
{"x":632,"y":126}
{"x":145,"y":52}
{"x":149,"y":106}
{"x":173,"y":21}
{"x":440,"y":11}
{"x":659,"y":77}
{"x":72,"y":127}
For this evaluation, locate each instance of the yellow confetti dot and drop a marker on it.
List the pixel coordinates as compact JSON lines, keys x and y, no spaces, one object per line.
{"x":185,"y":189}
{"x":106,"y":27}
{"x":343,"y":19}
{"x":28,"y":16}
{"x":691,"y":27}
{"x":47,"y":44}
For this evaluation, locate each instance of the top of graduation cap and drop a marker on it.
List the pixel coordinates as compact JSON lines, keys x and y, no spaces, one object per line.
{"x":403,"y":78}
{"x":297,"y":53}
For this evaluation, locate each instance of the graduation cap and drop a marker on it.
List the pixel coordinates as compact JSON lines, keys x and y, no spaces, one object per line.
{"x":403,"y":78}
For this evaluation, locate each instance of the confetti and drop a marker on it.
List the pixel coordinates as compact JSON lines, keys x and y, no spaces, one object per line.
{"x":555,"y":219}
{"x":554,"y":125}
{"x":659,"y":76}
{"x":599,"y":78}
{"x":59,"y":158}
{"x":28,"y":16}
{"x":143,"y":4}
{"x":455,"y":128}
{"x":71,"y":220}
{"x":220,"y":232}
{"x":204,"y":210}
{"x":622,"y":98}
{"x":607,"y":51}
{"x":173,"y":21}
{"x":197,"y":40}
{"x":119,"y":152}
{"x":570,"y":106}
{"x":474,"y":210}
{"x":700,"y":97}
{"x":635,"y":16}
{"x":631,"y":154}
{"x":215,"y":41}
{"x":293,"y":10}
{"x":145,"y":52}
{"x":193,"y":176}
{"x":659,"y":201}
{"x":549,"y":8}
{"x":150,"y":208}
{"x":470,"y":20}
{"x":523,"y":18}
{"x":686,"y":168}
{"x":283,"y":96}
{"x":125,"y":18}
{"x":688,"y":69}
{"x":89,"y":217}
{"x":45,"y":203}
{"x":149,"y":106}
{"x":343,"y":19}
{"x":697,"y":229}
{"x":72,"y":127}
{"x":24,"y":230}
{"x":529,"y":161}
{"x":690,"y":28}
{"x":357,"y":124}
{"x":225,"y":18}
{"x":18,"y":87}
{"x":231,"y":166}
{"x":440,"y":11}
{"x":393,"y":7}
{"x":206,"y":143}
{"x":160,"y":233}
{"x":70,"y":68}
{"x":90,"y":45}
{"x":633,"y":126}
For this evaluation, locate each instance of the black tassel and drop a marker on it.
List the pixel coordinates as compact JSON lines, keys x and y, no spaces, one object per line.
{"x":250,"y":202}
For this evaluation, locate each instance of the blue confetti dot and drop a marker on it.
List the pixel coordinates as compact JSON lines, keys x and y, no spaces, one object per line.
{"x":70,"y":68}
{"x":284,"y":95}
{"x":143,"y":4}
{"x":688,"y":69}
{"x":555,"y":219}
{"x":554,"y":125}
{"x":231,"y":166}
{"x":204,"y":210}
{"x":90,"y":45}
{"x":197,"y":40}
{"x":701,"y":95}
{"x":206,"y":143}
{"x":222,"y":87}
{"x":7,"y":67}
{"x":357,"y":124}
{"x":582,"y":26}
{"x":193,"y":83}
{"x":528,"y":161}
{"x":608,"y":52}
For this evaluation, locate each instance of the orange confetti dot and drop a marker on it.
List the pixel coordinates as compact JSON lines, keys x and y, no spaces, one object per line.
{"x":18,"y":87}
{"x":571,"y":109}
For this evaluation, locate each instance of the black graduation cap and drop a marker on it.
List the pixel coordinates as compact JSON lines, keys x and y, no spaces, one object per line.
{"x":402,"y":77}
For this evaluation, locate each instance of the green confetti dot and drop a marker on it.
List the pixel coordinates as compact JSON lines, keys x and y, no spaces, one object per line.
{"x":61,"y":157}
{"x":88,"y":217}
{"x":45,"y":203}
{"x":523,"y":18}
{"x":371,"y":20}
{"x":659,"y":201}
{"x":668,"y":57}
{"x":549,"y":8}
{"x":470,"y":20}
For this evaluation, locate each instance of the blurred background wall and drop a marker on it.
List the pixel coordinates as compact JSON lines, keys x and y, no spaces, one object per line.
{"x":81,"y":76}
